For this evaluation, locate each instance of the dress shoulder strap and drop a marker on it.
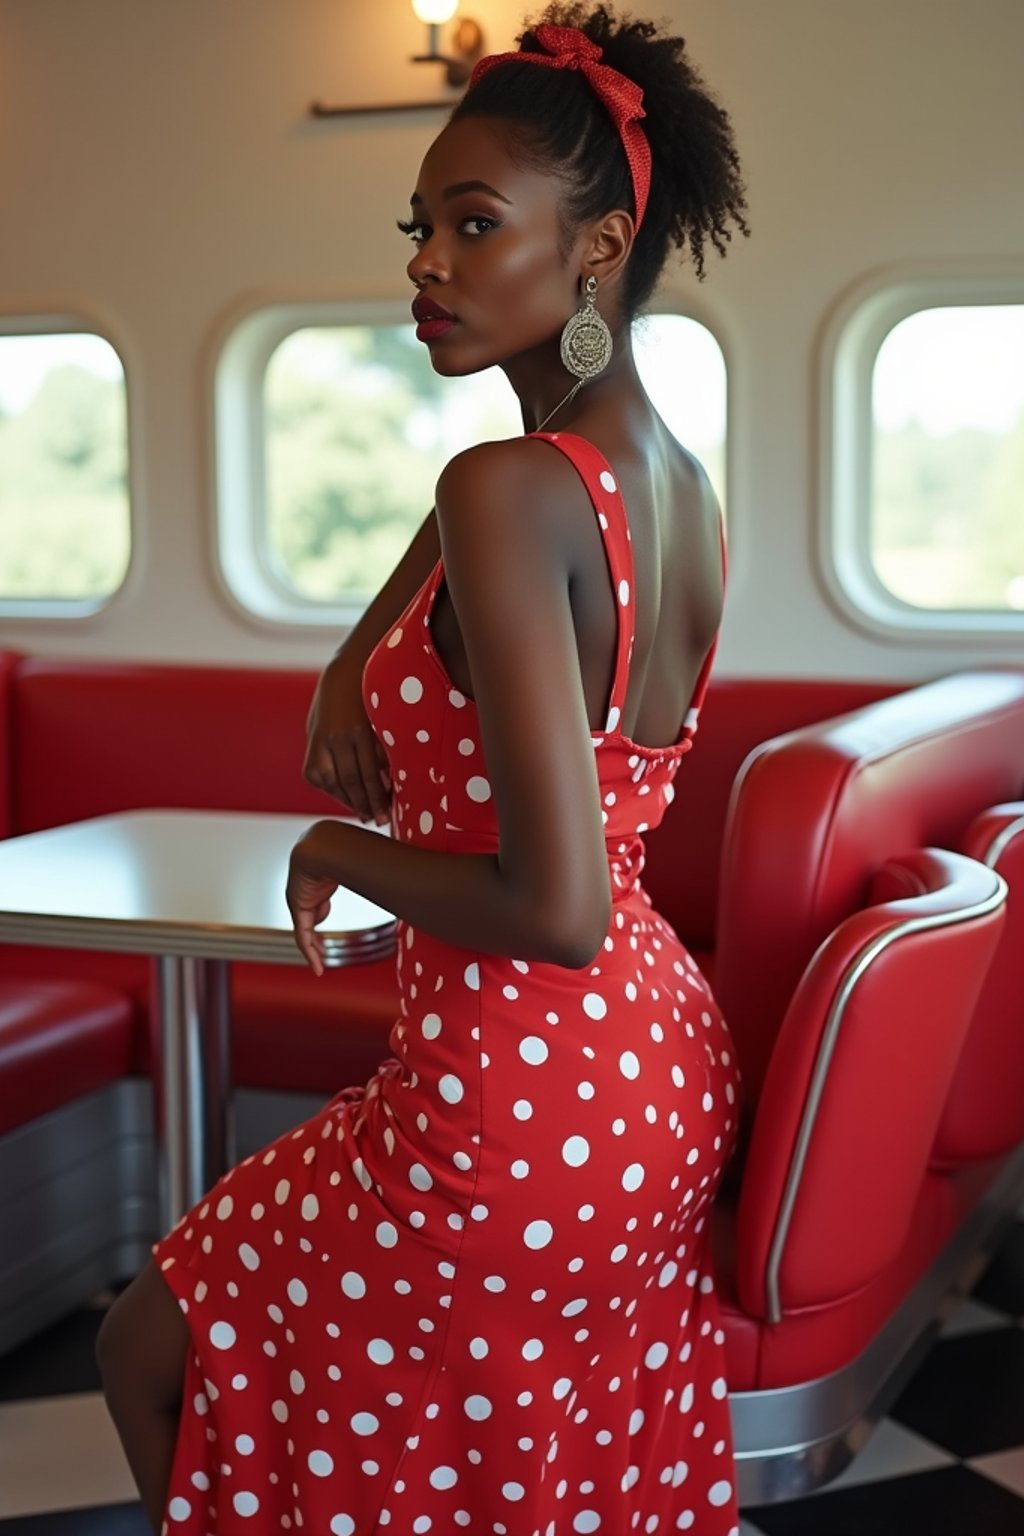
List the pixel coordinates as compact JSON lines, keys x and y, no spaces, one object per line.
{"x":602,"y":487}
{"x":704,"y":676}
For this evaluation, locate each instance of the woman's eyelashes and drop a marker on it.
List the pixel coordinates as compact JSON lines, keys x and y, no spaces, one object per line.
{"x":419,"y":232}
{"x":413,"y":230}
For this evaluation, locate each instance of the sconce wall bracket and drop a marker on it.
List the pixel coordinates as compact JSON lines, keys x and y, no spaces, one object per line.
{"x":467,"y":48}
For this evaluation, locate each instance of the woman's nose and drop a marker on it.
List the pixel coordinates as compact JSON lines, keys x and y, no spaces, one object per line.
{"x":429,"y":263}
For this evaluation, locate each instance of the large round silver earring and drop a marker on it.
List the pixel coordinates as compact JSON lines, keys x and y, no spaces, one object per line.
{"x":586,"y":340}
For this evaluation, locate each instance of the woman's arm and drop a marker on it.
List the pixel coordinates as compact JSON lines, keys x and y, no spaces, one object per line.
{"x":343,"y":757}
{"x":546,"y":893}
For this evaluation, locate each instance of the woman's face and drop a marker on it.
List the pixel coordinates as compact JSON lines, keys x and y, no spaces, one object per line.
{"x":488,"y":251}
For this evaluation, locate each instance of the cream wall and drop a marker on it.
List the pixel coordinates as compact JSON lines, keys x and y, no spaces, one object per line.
{"x":159,"y":176}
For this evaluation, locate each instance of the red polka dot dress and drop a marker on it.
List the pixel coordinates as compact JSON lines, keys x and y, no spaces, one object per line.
{"x":476,"y":1293}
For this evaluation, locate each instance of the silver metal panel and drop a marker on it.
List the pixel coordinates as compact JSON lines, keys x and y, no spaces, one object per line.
{"x":1002,"y":840}
{"x":68,"y":1188}
{"x":790,"y":1440}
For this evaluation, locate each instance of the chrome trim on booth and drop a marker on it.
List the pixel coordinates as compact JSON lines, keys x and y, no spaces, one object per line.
{"x":789,"y":1441}
{"x":1002,"y":840}
{"x":826,"y":1047}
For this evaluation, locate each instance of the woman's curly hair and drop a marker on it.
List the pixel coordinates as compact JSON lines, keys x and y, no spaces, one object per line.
{"x":558,"y":122}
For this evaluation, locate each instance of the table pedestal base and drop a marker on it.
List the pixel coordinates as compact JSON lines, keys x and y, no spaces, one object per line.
{"x":190,"y":1059}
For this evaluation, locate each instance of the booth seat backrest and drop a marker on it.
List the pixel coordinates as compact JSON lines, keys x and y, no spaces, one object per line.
{"x":681,"y":873}
{"x":858,"y":1079}
{"x":90,"y":737}
{"x":984,"y":1113}
{"x":86,"y":738}
{"x":814,"y":813}
{"x":8,"y":664}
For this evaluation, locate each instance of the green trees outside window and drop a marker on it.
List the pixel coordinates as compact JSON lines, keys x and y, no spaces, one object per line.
{"x":64,"y":519}
{"x":947,"y":503}
{"x":358,"y":427}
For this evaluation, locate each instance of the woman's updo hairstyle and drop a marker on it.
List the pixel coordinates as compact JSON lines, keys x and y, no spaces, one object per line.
{"x":559,"y":123}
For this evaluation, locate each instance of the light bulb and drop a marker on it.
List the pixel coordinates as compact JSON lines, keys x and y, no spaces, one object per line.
{"x":435,"y":12}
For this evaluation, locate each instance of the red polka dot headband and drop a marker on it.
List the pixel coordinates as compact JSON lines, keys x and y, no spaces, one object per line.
{"x":568,"y":48}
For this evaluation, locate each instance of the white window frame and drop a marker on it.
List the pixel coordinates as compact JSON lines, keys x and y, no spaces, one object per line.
{"x":242,"y":549}
{"x":848,"y":351}
{"x":241,"y":552}
{"x":47,"y":608}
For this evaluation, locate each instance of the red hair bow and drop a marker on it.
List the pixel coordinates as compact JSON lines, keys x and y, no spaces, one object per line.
{"x":568,"y":48}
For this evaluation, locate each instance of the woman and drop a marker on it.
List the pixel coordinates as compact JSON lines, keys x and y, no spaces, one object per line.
{"x":477,"y":1293}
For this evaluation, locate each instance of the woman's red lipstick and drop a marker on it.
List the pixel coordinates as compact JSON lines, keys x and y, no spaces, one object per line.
{"x":432,"y":319}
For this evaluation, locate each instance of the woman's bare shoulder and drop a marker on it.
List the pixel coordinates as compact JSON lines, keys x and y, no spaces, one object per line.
{"x":519,"y":478}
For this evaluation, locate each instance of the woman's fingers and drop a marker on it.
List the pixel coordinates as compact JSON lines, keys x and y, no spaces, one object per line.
{"x":383,"y":766}
{"x":348,"y":766}
{"x":319,"y":770}
{"x":369,"y":769}
{"x":308,"y":906}
{"x":310,"y":944}
{"x":343,"y":755}
{"x":349,"y":774}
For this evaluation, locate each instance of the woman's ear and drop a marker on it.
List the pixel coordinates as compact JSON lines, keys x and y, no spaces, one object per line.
{"x":607,"y":246}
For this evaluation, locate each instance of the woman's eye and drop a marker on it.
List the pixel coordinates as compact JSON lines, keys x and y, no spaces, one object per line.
{"x":475,"y":225}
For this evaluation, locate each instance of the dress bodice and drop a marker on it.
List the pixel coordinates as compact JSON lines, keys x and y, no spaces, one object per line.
{"x":441,"y":796}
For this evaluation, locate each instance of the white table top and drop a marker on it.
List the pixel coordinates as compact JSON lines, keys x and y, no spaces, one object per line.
{"x":204,"y":884}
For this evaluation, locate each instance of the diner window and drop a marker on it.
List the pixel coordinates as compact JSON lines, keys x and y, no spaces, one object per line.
{"x":358,"y":429}
{"x":64,"y":510}
{"x":947,"y":473}
{"x":353,"y":428}
{"x":921,"y":454}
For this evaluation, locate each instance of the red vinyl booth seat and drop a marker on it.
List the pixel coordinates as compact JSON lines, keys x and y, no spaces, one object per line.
{"x":230,"y":738}
{"x":984,"y":1112}
{"x":290,"y":1030}
{"x":58,"y":1040}
{"x":814,"y":813}
{"x":8,"y":665}
{"x":89,"y":737}
{"x":682,"y":867}
{"x":874,"y":999}
{"x":836,"y":1216}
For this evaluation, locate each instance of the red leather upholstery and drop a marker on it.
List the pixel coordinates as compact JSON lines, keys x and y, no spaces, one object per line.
{"x":812,"y":1342}
{"x":57,"y":1042}
{"x":337,"y":1030}
{"x":812,"y":815}
{"x":232,"y":738}
{"x":984,"y":1113}
{"x":91,"y":737}
{"x":857,"y":1082}
{"x":289,"y":1030}
{"x":8,"y":663}
{"x":681,"y":871}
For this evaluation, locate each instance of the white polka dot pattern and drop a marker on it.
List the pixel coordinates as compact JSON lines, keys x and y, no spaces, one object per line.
{"x":438,"y":1303}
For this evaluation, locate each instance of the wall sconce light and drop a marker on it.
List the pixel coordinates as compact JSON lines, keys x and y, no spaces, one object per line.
{"x":467,"y":47}
{"x":468,"y":42}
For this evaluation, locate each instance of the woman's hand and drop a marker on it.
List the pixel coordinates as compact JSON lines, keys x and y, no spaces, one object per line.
{"x":343,"y":755}
{"x":308,"y":894}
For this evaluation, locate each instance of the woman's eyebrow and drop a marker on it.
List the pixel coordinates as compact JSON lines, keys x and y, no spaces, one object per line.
{"x":464,"y":186}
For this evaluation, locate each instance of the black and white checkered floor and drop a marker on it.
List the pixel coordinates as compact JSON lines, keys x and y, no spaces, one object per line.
{"x":947,"y":1461}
